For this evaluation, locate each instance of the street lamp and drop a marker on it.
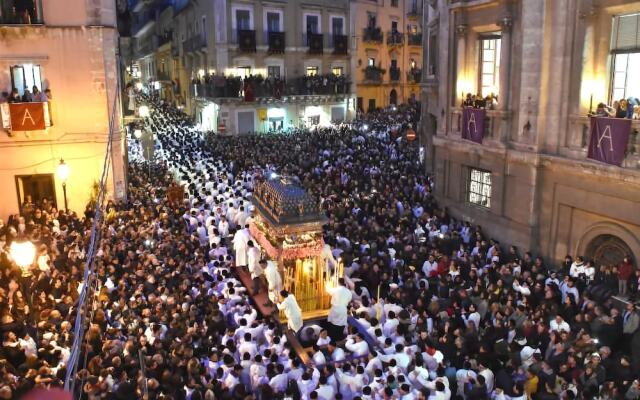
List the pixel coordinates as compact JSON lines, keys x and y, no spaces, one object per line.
{"x":23,"y":254}
{"x":62,"y":172}
{"x":143,"y":111}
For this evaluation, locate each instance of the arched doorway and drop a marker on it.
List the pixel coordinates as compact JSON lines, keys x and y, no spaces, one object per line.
{"x":607,"y":249}
{"x":393,"y":97}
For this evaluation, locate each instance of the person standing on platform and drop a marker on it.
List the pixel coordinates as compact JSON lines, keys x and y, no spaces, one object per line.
{"x":292,"y":311}
{"x":274,"y":281}
{"x":253,"y":255}
{"x":340,"y":299}
{"x":240,"y":244}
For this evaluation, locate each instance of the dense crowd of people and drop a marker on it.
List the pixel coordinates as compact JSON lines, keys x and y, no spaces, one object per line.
{"x":440,"y":310}
{"x":253,"y":86}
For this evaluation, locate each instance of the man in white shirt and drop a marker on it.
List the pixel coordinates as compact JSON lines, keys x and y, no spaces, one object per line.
{"x":253,"y":255}
{"x":558,"y":324}
{"x":291,"y":310}
{"x":324,"y":390}
{"x":240,"y":243}
{"x":340,"y":299}
{"x":357,"y":345}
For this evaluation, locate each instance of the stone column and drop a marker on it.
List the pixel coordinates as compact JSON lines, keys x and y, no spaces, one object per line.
{"x":504,"y":90}
{"x":461,"y":67}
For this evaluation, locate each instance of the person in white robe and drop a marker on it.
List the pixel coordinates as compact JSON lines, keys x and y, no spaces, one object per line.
{"x":340,"y":299}
{"x":253,"y":256}
{"x":274,"y":280}
{"x":292,"y":311}
{"x":328,"y":259}
{"x":240,"y":241}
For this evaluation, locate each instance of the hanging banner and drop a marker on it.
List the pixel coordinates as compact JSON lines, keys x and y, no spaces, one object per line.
{"x":473,"y":124}
{"x":609,"y":138}
{"x":27,"y":116}
{"x":6,"y":115}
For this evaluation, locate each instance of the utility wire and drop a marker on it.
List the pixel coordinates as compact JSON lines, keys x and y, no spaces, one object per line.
{"x":72,"y":365}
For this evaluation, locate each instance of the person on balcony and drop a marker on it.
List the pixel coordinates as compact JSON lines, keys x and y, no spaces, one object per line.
{"x":14,"y":97}
{"x":39,"y":96}
{"x":27,"y":97}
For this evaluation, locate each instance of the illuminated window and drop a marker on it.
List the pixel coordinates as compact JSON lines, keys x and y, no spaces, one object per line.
{"x":337,"y":71}
{"x":371,"y":62}
{"x":312,"y":71}
{"x":26,"y":76}
{"x":244,"y":71}
{"x":625,"y":49}
{"x":479,"y":190}
{"x":489,"y":65}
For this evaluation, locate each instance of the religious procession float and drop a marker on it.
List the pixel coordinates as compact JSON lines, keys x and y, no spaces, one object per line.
{"x":287,"y":224}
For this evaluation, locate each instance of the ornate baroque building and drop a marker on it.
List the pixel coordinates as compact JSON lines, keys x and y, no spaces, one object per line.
{"x":530,"y":182}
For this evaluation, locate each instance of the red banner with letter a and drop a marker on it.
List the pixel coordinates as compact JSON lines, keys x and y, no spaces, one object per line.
{"x":27,"y":116}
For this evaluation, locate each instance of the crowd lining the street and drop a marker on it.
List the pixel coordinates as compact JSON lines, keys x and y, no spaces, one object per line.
{"x":459,"y":315}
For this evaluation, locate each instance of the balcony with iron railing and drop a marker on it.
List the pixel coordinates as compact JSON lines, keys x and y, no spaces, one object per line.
{"x":395,"y":38}
{"x":232,"y":88}
{"x":194,"y":43}
{"x":414,"y":75}
{"x":372,"y":34}
{"x":340,"y":44}
{"x":414,"y":39}
{"x":247,"y":40}
{"x":577,"y":142}
{"x":494,"y":125}
{"x":373,"y":75}
{"x":315,"y":41}
{"x":276,"y":42}
{"x":21,"y":13}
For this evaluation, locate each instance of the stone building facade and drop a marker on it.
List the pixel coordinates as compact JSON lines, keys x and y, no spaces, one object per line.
{"x":70,"y":48}
{"x":530,"y":182}
{"x":241,"y":38}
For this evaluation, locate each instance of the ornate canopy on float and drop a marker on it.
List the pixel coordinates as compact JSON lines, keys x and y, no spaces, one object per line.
{"x":287,"y":224}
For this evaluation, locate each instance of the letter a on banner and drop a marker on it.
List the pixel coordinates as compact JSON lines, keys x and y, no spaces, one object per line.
{"x":606,"y":135}
{"x":27,"y":115}
{"x":473,"y":124}
{"x":609,"y":138}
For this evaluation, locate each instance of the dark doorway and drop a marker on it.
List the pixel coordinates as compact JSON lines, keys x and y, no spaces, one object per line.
{"x":372,"y":105}
{"x":393,"y":97}
{"x":36,"y":188}
{"x":607,"y":250}
{"x":360,"y":104}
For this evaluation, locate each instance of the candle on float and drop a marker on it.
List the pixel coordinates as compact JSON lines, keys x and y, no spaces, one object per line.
{"x":379,"y":309}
